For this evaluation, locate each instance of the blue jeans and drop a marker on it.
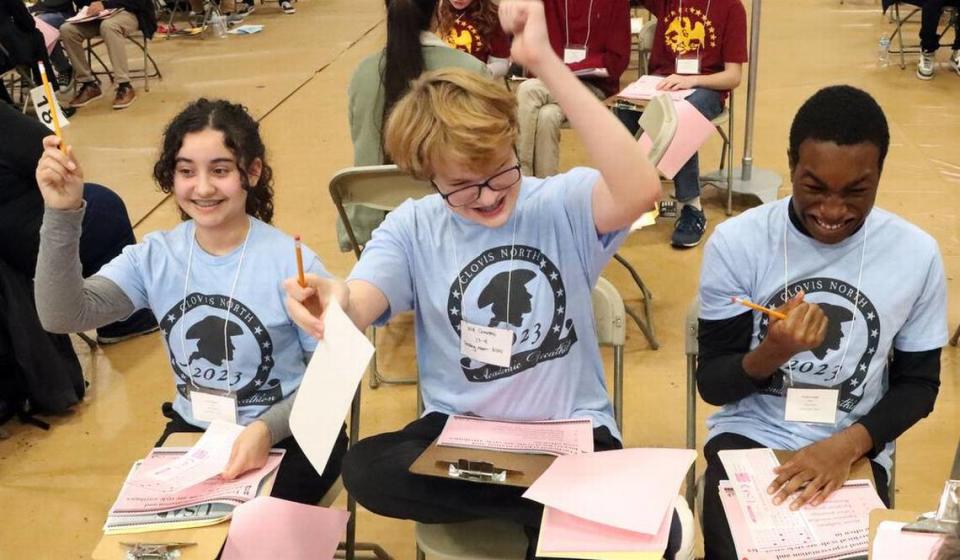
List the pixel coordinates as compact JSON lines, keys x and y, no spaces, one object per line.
{"x":57,"y":57}
{"x":687,"y":181}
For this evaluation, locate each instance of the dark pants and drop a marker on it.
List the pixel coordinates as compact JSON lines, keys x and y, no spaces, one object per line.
{"x":930,"y":22}
{"x":297,"y":480}
{"x":686,"y":182}
{"x":717,"y":540}
{"x":375,"y":472}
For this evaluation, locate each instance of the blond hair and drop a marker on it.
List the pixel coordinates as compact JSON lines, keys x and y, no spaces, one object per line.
{"x":450,"y":116}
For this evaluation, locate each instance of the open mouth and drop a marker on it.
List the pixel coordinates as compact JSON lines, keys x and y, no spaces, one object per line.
{"x":831,"y":227}
{"x":493,"y":209}
{"x":207,"y":204}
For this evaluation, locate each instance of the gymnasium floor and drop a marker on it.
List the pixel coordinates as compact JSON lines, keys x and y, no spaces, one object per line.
{"x":56,"y":486}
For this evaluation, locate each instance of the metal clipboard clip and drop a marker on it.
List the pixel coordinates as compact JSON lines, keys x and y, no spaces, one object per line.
{"x":154,"y":551}
{"x":476,"y":471}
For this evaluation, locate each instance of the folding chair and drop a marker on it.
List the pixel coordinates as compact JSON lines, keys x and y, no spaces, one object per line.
{"x":724,"y":177}
{"x":499,"y":540}
{"x":142,"y":43}
{"x":950,"y":13}
{"x":18,"y":76}
{"x":382,"y":187}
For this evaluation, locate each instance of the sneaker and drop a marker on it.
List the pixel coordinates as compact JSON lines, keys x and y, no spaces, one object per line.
{"x":689,"y":227}
{"x":955,"y":61}
{"x":89,"y":91}
{"x":65,"y":80}
{"x":245,"y":9}
{"x":925,"y":66}
{"x":125,"y":96}
{"x":287,"y":7}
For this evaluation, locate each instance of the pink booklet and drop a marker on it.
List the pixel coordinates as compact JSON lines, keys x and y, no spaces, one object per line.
{"x":136,"y":499}
{"x":548,"y":437}
{"x":564,"y":533}
{"x":267,"y":527}
{"x":693,"y":130}
{"x":646,"y":88}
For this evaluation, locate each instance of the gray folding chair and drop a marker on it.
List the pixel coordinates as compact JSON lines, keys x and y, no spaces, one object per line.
{"x":499,"y":540}
{"x":381,"y":187}
{"x":142,"y":43}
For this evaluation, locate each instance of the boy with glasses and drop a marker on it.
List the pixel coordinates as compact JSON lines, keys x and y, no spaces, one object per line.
{"x":497,"y":251}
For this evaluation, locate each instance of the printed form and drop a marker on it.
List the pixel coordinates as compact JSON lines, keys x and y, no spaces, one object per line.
{"x":550,"y":437}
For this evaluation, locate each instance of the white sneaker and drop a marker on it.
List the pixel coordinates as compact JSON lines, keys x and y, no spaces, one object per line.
{"x":287,"y":7}
{"x":925,"y":66}
{"x":955,"y":61}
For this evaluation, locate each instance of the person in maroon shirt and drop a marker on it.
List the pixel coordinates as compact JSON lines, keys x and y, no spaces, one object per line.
{"x":593,"y":39}
{"x":472,"y":26}
{"x":699,"y":45}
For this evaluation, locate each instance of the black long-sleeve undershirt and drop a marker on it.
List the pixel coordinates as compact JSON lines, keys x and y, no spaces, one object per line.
{"x":914,"y":379}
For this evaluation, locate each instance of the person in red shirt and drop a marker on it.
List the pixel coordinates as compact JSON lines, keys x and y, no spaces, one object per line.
{"x":699,"y":45}
{"x":593,"y":39}
{"x":472,"y":27}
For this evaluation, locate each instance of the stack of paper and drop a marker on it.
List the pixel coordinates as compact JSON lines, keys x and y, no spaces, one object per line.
{"x":646,"y":88}
{"x":550,"y":437}
{"x":837,"y":528}
{"x":144,"y":505}
{"x":610,"y":504}
{"x":892,"y":543}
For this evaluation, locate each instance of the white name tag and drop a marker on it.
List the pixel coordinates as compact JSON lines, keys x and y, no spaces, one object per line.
{"x":574,"y":54}
{"x":489,"y":345}
{"x":209,"y":406}
{"x":817,"y":406}
{"x":688,"y":65}
{"x":45,"y":109}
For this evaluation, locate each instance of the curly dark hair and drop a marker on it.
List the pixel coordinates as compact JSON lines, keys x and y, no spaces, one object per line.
{"x":842,"y":114}
{"x":484,"y":12}
{"x":241,"y":134}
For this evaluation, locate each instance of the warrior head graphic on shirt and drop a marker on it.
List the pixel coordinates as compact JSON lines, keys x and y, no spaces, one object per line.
{"x":853,"y":331}
{"x":213,"y":347}
{"x":520,"y":289}
{"x":689,"y":31}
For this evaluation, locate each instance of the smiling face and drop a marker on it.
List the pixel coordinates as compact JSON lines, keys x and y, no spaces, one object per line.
{"x":460,"y":4}
{"x":834,"y":187}
{"x":493,"y":208}
{"x":207,"y":182}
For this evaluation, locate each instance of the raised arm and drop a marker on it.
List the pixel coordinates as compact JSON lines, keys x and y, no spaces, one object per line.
{"x":629,"y":184}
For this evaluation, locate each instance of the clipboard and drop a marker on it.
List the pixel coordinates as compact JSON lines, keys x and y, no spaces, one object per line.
{"x":521,"y":469}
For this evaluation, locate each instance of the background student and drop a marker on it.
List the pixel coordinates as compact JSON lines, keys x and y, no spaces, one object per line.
{"x":214,"y":282}
{"x":496,"y":249}
{"x":473,"y":27}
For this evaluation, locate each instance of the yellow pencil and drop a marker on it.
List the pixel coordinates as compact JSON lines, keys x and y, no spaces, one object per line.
{"x":48,"y":93}
{"x":296,"y":247}
{"x":760,"y":308}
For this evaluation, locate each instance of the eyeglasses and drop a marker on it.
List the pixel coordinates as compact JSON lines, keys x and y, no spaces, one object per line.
{"x":469,"y":194}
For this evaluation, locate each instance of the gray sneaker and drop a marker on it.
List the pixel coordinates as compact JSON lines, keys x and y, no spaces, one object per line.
{"x":925,"y":66}
{"x":955,"y":61}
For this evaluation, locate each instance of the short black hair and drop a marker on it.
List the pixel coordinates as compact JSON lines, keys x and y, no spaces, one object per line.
{"x":842,"y":114}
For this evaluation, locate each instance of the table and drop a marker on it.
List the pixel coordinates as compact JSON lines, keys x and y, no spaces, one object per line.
{"x":209,"y":539}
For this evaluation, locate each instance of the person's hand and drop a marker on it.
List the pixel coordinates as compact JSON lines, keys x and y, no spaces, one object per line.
{"x":250,"y":450}
{"x":59,"y":177}
{"x":676,"y":82}
{"x":524,"y":20}
{"x":804,"y":328}
{"x":308,"y":305}
{"x":95,"y":8}
{"x":814,"y":472}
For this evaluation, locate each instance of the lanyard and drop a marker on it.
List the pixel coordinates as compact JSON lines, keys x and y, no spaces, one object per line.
{"x":226,"y":315}
{"x":566,"y":15}
{"x":705,"y":15}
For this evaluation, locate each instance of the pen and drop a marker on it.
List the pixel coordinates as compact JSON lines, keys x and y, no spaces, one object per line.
{"x":760,"y":308}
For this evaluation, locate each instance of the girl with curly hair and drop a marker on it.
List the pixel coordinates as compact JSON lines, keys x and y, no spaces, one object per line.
{"x":472,"y":26}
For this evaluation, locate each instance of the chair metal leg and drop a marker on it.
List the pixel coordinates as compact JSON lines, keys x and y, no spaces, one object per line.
{"x":691,"y":490}
{"x":376,"y":377}
{"x":955,"y":337}
{"x":646,"y":321}
{"x":618,"y":386}
{"x":729,"y":154}
{"x":90,"y":342}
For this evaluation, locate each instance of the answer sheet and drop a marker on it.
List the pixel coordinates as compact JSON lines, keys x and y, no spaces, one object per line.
{"x":549,"y":437}
{"x":206,"y":459}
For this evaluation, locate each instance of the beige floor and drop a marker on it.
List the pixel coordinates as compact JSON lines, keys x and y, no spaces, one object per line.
{"x":57,"y":486}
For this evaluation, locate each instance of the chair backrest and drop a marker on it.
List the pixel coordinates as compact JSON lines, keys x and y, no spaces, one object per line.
{"x":382,"y":187}
{"x":659,"y":121}
{"x":609,"y":314}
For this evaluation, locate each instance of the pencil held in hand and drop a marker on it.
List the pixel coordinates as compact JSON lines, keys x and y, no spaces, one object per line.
{"x":312,"y":303}
{"x":760,"y":308}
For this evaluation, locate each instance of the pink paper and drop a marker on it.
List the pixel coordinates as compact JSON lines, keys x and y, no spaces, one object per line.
{"x":550,"y":437}
{"x":893,"y":544}
{"x":646,"y":88}
{"x":271,"y":528}
{"x":562,"y":532}
{"x":693,"y":130}
{"x":629,"y":489}
{"x":50,"y":34}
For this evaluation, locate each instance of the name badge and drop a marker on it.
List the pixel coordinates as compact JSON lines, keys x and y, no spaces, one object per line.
{"x":209,"y":406}
{"x":574,"y":54}
{"x":489,"y":345}
{"x":688,"y":65}
{"x":816,"y":406}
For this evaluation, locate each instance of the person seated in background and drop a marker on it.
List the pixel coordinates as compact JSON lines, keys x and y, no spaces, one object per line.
{"x":699,"y":45}
{"x":930,"y":13}
{"x":135,"y":16}
{"x":864,"y":295}
{"x":488,"y":240}
{"x":472,"y":27}
{"x":22,"y":44}
{"x":380,"y":81}
{"x":592,"y":37}
{"x":55,"y":13}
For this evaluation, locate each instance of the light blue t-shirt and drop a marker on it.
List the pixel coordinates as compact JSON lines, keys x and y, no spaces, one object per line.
{"x":902,"y":305}
{"x":264,"y":355}
{"x":547,"y":273}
